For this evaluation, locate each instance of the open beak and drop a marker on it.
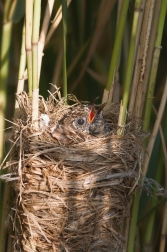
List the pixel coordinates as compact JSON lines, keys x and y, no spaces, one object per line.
{"x":101,"y":108}
{"x":93,"y":114}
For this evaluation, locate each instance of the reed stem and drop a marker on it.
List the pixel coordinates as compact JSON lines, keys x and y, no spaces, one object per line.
{"x":117,"y":44}
{"x":130,"y":66}
{"x":28,"y":30}
{"x":158,"y":177}
{"x":148,"y":39}
{"x":154,"y":67}
{"x":64,"y":22}
{"x":4,"y":73}
{"x":35,"y":78}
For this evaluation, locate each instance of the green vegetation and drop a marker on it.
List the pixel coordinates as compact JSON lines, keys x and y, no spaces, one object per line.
{"x":112,"y":49}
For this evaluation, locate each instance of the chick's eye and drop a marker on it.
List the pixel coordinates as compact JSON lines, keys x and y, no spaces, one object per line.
{"x":80,"y":121}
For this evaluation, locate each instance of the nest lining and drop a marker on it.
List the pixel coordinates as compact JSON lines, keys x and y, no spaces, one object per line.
{"x":72,"y":197}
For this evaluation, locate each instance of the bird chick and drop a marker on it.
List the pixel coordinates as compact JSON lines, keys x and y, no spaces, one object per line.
{"x":81,"y":121}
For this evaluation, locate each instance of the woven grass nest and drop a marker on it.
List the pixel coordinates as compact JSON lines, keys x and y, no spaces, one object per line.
{"x":76,"y":197}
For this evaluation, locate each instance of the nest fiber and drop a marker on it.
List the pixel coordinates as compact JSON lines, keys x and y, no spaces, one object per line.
{"x":75,"y":197}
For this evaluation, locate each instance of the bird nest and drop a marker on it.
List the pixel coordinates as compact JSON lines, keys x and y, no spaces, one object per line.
{"x":73,"y":196}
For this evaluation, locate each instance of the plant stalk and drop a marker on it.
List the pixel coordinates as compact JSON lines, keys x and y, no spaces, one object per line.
{"x":158,"y":176}
{"x":35,"y":78}
{"x":148,"y":40}
{"x":28,"y":33}
{"x":130,"y":66}
{"x":20,"y":86}
{"x":64,"y":22}
{"x":154,"y":67}
{"x":117,"y":44}
{"x":4,"y":73}
{"x":132,"y":230}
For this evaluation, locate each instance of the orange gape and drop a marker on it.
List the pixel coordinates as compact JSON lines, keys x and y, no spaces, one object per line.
{"x":92,"y":115}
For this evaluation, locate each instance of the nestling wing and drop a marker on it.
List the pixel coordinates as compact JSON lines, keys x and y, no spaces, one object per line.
{"x":66,"y":136}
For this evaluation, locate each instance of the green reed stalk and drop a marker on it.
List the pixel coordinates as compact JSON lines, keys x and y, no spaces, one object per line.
{"x":4,"y":70}
{"x":151,"y":144}
{"x":28,"y":22}
{"x":4,"y":73}
{"x":12,"y":13}
{"x":133,"y":221}
{"x":148,"y":112}
{"x":154,"y":200}
{"x":130,"y":67}
{"x":21,"y":77}
{"x":5,"y":46}
{"x":35,"y":78}
{"x":137,"y":93}
{"x":35,"y":39}
{"x":64,"y":22}
{"x":117,"y":44}
{"x":154,"y":67}
{"x":148,"y":108}
{"x":20,"y":86}
{"x":147,"y":41}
